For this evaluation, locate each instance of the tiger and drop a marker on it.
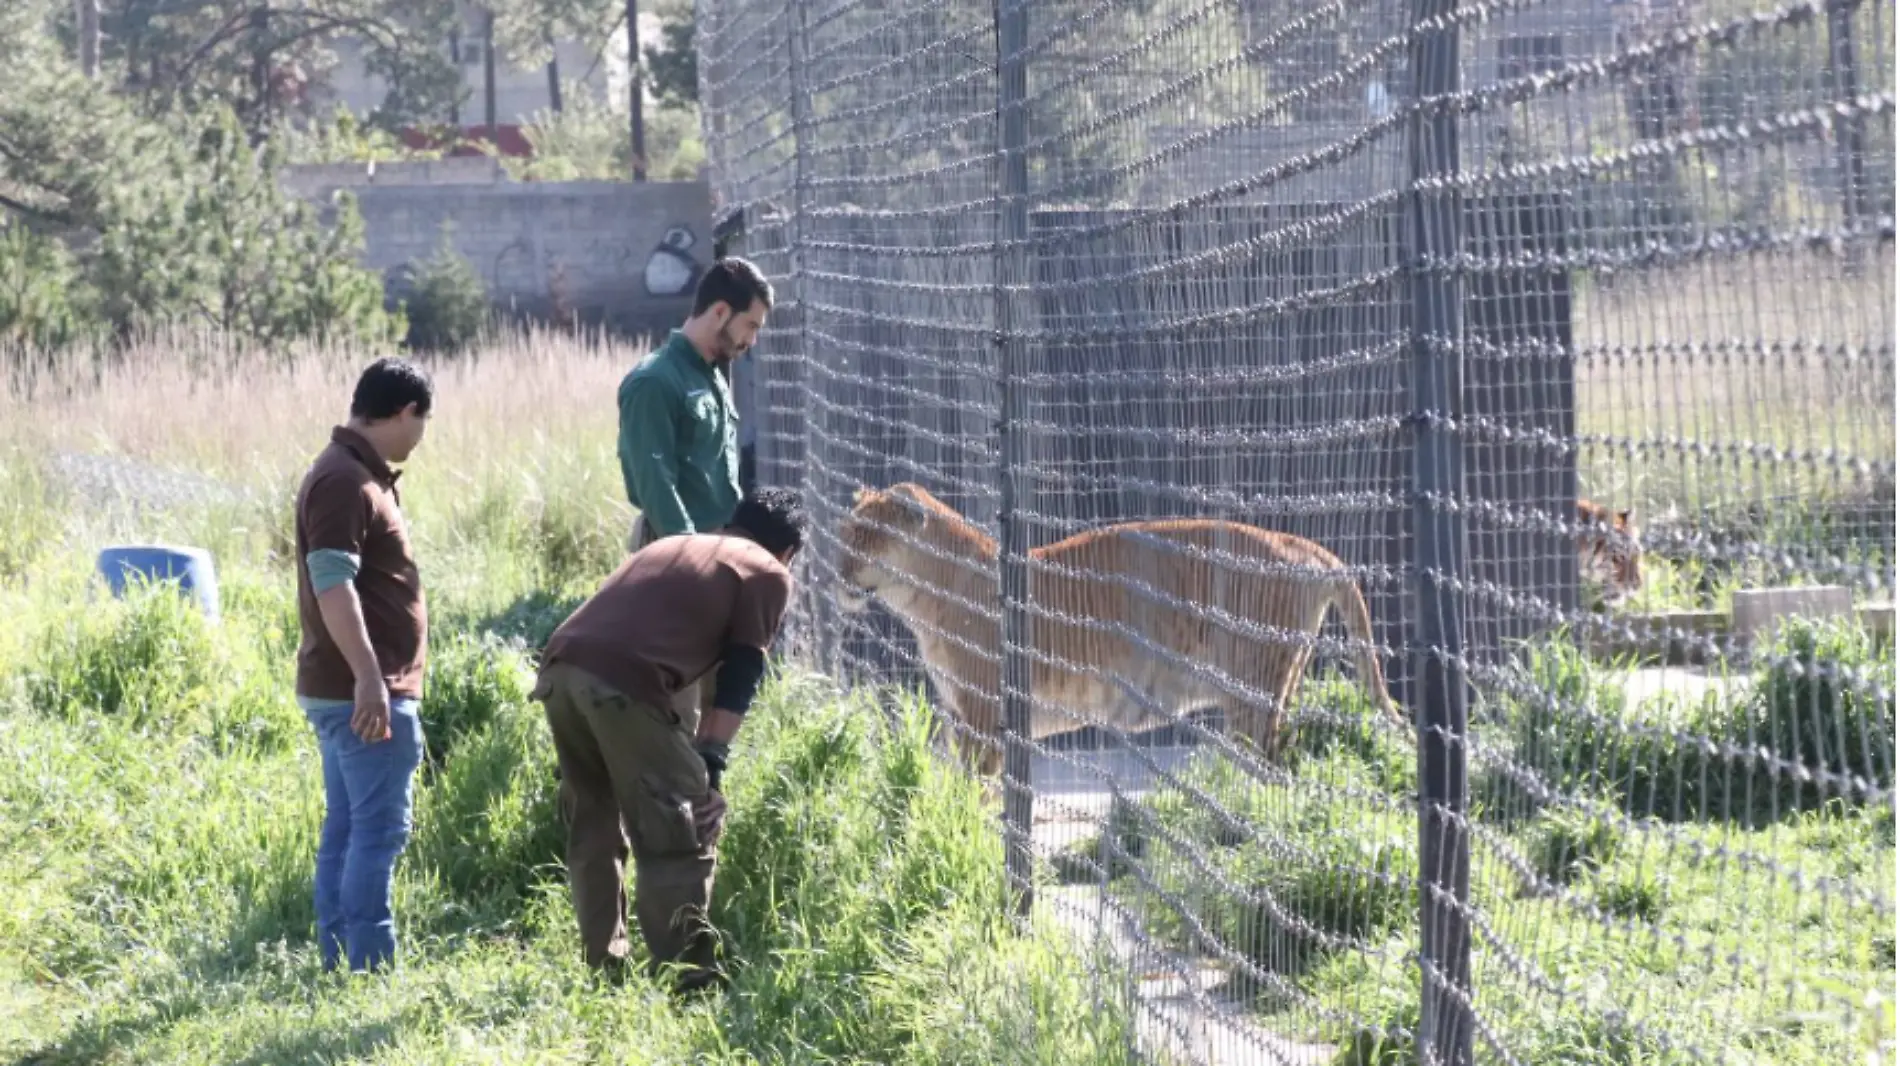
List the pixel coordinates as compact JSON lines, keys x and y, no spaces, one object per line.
{"x":1127,"y":656}
{"x":1609,"y":552}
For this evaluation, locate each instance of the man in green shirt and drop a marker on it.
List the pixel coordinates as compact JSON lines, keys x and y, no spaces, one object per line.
{"x":679,"y":434}
{"x":679,"y":439}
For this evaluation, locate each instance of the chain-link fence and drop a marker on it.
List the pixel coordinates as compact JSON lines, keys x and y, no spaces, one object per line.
{"x":1529,"y":360}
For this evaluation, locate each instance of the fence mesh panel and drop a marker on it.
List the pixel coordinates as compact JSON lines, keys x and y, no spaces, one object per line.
{"x":1530,"y":361}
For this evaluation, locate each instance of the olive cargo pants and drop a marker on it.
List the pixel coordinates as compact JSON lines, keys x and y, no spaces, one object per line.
{"x":630,"y":776}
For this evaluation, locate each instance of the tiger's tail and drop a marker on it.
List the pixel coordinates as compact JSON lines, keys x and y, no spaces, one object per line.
{"x":1352,"y":610}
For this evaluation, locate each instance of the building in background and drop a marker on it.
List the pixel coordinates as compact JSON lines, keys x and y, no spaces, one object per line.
{"x":520,"y":92}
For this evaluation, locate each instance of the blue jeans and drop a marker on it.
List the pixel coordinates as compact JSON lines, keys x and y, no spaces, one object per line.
{"x":368,"y":792}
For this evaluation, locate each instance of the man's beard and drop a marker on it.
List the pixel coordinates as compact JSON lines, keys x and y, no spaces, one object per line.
{"x":728,"y":350}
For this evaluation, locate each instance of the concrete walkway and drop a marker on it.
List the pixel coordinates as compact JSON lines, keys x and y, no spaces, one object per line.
{"x":1183,"y":1015}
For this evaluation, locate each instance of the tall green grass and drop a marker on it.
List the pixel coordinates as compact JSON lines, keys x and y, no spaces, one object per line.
{"x":163,"y":795}
{"x":160,"y":791}
{"x":1662,"y":900}
{"x":1813,"y":721}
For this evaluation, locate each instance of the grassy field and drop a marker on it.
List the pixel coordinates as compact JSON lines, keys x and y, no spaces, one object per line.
{"x":1743,"y":408}
{"x":1650,"y":885}
{"x":1652,"y":882}
{"x":160,"y":793}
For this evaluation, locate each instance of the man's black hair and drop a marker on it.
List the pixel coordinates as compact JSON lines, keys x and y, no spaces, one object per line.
{"x":389,"y":385}
{"x":773,"y":517}
{"x":734,"y":282}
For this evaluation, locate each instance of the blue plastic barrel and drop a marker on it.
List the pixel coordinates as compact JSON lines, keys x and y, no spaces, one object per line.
{"x":190,"y":568}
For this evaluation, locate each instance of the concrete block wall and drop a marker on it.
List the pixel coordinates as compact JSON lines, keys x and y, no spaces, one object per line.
{"x":318,"y":180}
{"x":615,"y":252}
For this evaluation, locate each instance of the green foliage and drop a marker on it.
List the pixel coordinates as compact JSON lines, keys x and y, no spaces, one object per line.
{"x":531,"y":619}
{"x":168,"y":883}
{"x":148,"y":656}
{"x":1571,"y":842}
{"x":489,"y":830}
{"x":1289,"y":872}
{"x":1272,"y":868}
{"x":673,"y":65}
{"x":1823,"y":702}
{"x":263,"y":61}
{"x":1820,"y":703}
{"x":525,"y":29}
{"x":244,"y":255}
{"x":471,"y":680}
{"x":43,"y":300}
{"x":447,"y":305}
{"x":590,"y":140}
{"x":150,"y":660}
{"x":342,"y":138}
{"x":29,"y":514}
{"x":170,"y":219}
{"x":1335,"y":720}
{"x":587,"y":140}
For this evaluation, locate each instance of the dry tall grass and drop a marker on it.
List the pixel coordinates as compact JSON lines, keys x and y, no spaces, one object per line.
{"x":187,"y":437}
{"x":1723,"y":382}
{"x":196,"y":401}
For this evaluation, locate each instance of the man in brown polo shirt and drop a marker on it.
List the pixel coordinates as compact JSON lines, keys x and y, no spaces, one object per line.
{"x":360,"y":664}
{"x":641,"y":767}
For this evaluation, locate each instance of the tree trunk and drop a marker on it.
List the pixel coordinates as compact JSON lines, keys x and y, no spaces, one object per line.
{"x":636,"y":91}
{"x":554,"y":77}
{"x":261,"y":100}
{"x":455,"y":56}
{"x":488,"y":77}
{"x":88,"y":12}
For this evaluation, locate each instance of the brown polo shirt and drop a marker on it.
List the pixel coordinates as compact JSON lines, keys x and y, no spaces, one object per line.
{"x":664,"y":618}
{"x":348,"y":502}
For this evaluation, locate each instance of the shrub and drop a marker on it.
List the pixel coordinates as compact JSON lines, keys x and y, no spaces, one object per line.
{"x":470,"y":681}
{"x":1571,"y":842}
{"x":1823,"y":702}
{"x":149,"y":658}
{"x":447,"y":304}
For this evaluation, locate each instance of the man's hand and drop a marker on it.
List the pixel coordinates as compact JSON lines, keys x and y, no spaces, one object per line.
{"x":371,"y":717}
{"x":709,"y":818}
{"x":343,"y":617}
{"x":714,"y":755}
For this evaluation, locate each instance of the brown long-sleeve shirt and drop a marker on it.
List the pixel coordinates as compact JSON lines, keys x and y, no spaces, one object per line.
{"x":664,"y":618}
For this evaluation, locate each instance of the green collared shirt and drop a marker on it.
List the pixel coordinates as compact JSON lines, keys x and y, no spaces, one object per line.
{"x":679,"y":441}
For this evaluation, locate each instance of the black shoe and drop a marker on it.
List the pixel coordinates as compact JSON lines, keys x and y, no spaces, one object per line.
{"x":694,"y":983}
{"x":613,"y":972}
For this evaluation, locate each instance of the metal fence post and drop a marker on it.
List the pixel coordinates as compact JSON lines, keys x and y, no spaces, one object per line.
{"x":824,"y":634}
{"x":1012,"y":86}
{"x":1849,"y":140}
{"x":1434,"y":239}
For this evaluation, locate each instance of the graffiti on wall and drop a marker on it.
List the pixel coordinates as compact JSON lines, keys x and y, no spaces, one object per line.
{"x":670,"y":269}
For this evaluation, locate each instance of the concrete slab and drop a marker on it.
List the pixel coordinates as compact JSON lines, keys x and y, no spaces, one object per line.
{"x":1183,"y":1013}
{"x":1878,"y":618}
{"x":1681,"y":685}
{"x":1098,"y":773}
{"x":1755,"y":614}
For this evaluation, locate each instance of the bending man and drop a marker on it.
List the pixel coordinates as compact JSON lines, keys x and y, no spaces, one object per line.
{"x":641,"y":766}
